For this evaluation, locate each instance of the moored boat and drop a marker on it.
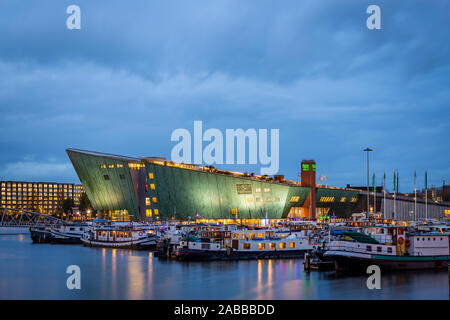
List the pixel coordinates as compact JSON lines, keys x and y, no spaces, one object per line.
{"x":40,"y":234}
{"x":390,"y":248}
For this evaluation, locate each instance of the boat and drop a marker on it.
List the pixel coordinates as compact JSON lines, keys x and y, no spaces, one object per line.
{"x":242,"y":244}
{"x":40,"y":234}
{"x":68,"y":233}
{"x":115,"y":235}
{"x":390,"y":248}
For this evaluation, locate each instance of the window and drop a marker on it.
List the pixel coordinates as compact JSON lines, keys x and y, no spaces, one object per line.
{"x":369,"y":248}
{"x":150,"y":175}
{"x":110,"y":166}
{"x":154,"y":200}
{"x":122,"y":177}
{"x":389,"y":250}
{"x":147,"y":201}
{"x":119,"y":165}
{"x":156,"y":212}
{"x":258,"y":199}
{"x":272,"y":246}
{"x":266,"y":189}
{"x":102,"y":166}
{"x":152,"y":186}
{"x":148,"y":212}
{"x":246,"y":246}
{"x":258,"y":190}
{"x":276,"y":199}
{"x":343,"y":199}
{"x":354,"y":199}
{"x":326,"y":199}
{"x":294,"y":199}
{"x":262,"y":246}
{"x":106,"y":177}
{"x":249,"y":199}
{"x":260,"y":235}
{"x":379,"y":249}
{"x":282,"y":245}
{"x":292,"y":245}
{"x":268,"y":199}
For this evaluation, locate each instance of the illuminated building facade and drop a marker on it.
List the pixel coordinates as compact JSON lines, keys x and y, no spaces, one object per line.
{"x":154,"y":188}
{"x":42,"y":197}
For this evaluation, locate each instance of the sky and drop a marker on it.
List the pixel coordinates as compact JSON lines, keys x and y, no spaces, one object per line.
{"x":136,"y":71}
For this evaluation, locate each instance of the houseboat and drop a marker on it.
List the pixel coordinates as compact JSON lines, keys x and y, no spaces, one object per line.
{"x":389,"y":247}
{"x":127,"y":236}
{"x":243,"y":244}
{"x":68,"y":234}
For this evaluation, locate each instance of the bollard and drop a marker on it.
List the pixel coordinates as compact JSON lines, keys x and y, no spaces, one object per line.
{"x":307,"y":262}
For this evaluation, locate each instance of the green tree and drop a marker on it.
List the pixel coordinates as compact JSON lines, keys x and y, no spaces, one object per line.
{"x":85,"y":204}
{"x":67,"y":205}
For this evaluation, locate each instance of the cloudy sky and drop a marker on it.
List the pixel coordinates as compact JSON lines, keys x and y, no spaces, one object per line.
{"x":312,"y":69}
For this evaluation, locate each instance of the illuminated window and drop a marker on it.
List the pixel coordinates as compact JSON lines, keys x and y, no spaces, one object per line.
{"x":294,"y":199}
{"x":110,"y":166}
{"x":354,"y":199}
{"x":148,"y":212}
{"x":266,"y":189}
{"x":150,"y":175}
{"x":258,"y":190}
{"x":343,"y":199}
{"x":326,"y":199}
{"x":260,"y":235}
{"x":258,"y":199}
{"x":249,"y":199}
{"x":247,"y":246}
{"x":233,"y":211}
{"x":272,"y":246}
{"x":154,"y":200}
{"x":261,"y":245}
{"x":276,"y":199}
{"x":292,"y":245}
{"x":147,"y":201}
{"x":156,"y":212}
{"x":282,"y":245}
{"x":268,"y":199}
{"x":305,"y":167}
{"x":119,"y":165}
{"x":152,"y":186}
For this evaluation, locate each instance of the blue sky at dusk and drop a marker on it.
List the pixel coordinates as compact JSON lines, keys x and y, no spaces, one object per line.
{"x":138,"y":70}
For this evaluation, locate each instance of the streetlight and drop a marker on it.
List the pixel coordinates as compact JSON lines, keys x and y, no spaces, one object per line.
{"x":368,"y":182}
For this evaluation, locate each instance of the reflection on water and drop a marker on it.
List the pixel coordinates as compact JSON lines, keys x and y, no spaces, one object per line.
{"x":38,"y":271}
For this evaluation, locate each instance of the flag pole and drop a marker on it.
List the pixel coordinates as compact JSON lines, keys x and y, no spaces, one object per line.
{"x":395,"y":189}
{"x":415,"y":196}
{"x":374,"y":195}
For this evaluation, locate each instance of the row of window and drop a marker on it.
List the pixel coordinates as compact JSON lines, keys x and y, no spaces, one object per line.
{"x":147,"y":201}
{"x":324,"y":199}
{"x":267,"y":199}
{"x":35,"y":185}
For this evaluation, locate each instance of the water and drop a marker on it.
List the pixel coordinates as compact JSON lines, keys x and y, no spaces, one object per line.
{"x":38,"y":271}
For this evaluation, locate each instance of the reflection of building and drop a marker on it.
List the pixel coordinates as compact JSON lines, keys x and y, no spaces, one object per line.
{"x":153,"y":188}
{"x":43,"y":197}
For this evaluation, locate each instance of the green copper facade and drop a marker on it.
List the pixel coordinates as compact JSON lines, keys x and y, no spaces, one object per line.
{"x":157,"y":189}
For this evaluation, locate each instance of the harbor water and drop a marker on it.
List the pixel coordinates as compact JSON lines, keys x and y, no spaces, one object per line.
{"x":38,"y":271}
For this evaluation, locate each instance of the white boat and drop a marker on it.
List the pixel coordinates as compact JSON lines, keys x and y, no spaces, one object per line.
{"x":69,"y":233}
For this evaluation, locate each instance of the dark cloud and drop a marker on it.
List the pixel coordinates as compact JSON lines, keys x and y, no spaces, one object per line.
{"x":135,"y":72}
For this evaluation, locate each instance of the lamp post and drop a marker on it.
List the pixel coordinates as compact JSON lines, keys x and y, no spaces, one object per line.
{"x":368,"y":182}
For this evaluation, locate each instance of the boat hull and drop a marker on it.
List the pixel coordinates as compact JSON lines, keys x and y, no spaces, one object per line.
{"x":65,"y":238}
{"x":40,"y":236}
{"x":203,"y":255}
{"x":360,"y":263}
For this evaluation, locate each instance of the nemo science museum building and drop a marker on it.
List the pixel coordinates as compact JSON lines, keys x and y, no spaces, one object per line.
{"x":152,"y":189}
